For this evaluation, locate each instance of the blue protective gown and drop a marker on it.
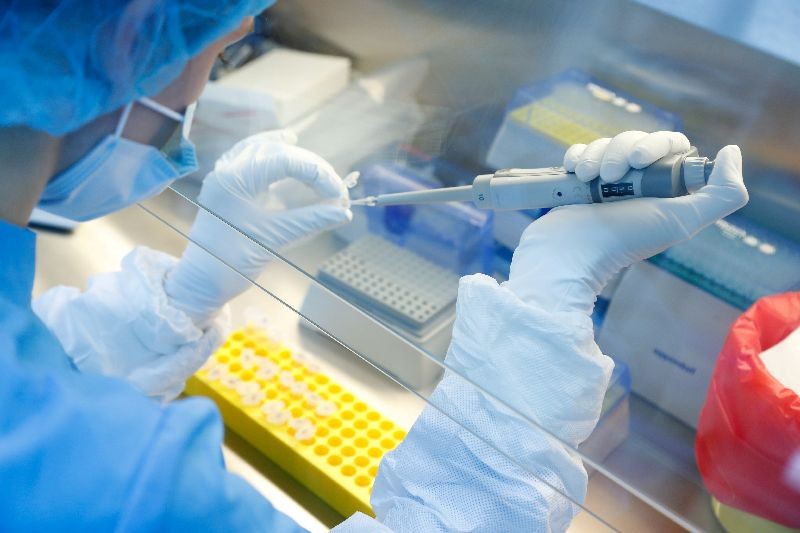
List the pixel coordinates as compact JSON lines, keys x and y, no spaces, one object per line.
{"x":90,"y":453}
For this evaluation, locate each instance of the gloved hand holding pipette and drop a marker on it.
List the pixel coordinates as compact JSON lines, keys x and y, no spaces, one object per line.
{"x":604,"y":239}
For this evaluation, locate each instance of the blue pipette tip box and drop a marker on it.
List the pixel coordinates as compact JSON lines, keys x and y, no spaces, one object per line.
{"x":456,"y":235}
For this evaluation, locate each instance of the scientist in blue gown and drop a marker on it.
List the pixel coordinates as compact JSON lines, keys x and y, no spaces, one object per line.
{"x":95,"y":114}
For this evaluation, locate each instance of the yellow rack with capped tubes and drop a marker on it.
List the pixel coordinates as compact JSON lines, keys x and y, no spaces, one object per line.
{"x":280,"y":402}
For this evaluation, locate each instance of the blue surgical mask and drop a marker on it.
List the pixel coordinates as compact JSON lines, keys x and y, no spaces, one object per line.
{"x":119,"y":172}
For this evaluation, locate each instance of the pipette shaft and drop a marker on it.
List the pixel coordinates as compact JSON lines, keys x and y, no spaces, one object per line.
{"x":426,"y":196}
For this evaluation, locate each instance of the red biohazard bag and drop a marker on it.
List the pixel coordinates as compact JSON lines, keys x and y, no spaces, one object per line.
{"x":749,"y":427}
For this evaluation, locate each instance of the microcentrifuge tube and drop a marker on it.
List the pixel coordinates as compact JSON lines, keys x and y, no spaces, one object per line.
{"x":217,"y":372}
{"x":267,"y":371}
{"x":305,"y":433}
{"x":278,"y":418}
{"x":253,"y":398}
{"x":230,"y":381}
{"x":298,"y":423}
{"x":351,"y":180}
{"x":286,"y":378}
{"x":246,"y":387}
{"x":326,"y":409}
{"x":298,"y":388}
{"x":248,"y":358}
{"x":313,"y":399}
{"x":273,"y":406}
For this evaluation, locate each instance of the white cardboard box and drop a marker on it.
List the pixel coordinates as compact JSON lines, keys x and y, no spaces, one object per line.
{"x":288,"y":83}
{"x":670,"y":333}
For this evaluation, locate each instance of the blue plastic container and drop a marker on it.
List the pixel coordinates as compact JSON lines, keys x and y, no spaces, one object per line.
{"x":456,"y":236}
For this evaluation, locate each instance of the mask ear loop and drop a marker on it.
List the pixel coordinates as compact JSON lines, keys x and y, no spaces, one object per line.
{"x":185,"y":119}
{"x":160,"y":108}
{"x":123,"y":119}
{"x":188,"y":119}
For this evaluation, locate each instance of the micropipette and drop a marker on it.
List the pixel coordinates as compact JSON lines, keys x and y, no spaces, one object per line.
{"x":538,"y":188}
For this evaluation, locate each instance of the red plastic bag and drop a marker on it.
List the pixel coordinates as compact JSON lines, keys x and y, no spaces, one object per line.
{"x":750,"y":424}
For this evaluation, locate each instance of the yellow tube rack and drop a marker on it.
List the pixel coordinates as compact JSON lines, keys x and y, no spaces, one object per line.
{"x":320,"y":433}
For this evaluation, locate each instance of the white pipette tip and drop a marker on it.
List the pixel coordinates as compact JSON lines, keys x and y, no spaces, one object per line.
{"x":368,"y":201}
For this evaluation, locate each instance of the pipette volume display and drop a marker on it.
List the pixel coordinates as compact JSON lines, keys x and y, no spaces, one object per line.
{"x":513,"y":189}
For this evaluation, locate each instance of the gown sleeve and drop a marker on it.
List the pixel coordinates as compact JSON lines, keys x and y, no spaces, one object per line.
{"x":471,"y":463}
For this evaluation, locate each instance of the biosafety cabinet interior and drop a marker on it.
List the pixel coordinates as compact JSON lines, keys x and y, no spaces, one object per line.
{"x":419,"y":94}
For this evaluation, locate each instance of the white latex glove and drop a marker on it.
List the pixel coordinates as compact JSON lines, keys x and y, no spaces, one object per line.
{"x":612,"y":158}
{"x":565,"y":258}
{"x":249,"y":188}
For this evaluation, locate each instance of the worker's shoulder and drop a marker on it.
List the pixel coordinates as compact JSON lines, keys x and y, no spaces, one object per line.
{"x":21,"y":331}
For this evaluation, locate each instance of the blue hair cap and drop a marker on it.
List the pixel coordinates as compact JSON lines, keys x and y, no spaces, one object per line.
{"x":65,"y":62}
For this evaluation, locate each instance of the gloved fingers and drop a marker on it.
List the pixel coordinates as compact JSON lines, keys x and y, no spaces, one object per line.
{"x":615,"y":159}
{"x":656,"y":145}
{"x":572,"y":156}
{"x":727,"y":171}
{"x":724,"y":194}
{"x":725,"y":190}
{"x":252,"y":143}
{"x":300,"y":164}
{"x":588,"y":166}
{"x":330,"y":216}
{"x":310,"y":220}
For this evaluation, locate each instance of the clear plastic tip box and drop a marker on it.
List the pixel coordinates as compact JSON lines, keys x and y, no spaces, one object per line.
{"x":545,"y":118}
{"x":316,"y":430}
